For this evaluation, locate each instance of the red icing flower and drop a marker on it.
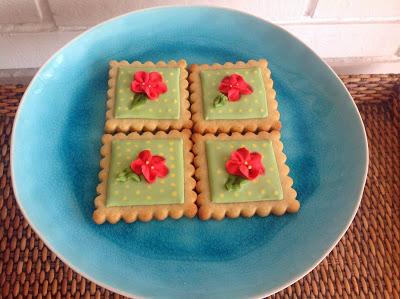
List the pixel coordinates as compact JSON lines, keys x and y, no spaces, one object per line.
{"x":150,"y":166}
{"x":245,"y":164}
{"x":234,"y":86}
{"x":149,"y":83}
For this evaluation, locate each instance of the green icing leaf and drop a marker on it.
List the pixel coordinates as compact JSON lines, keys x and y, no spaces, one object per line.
{"x":220,"y":100}
{"x":234,"y":182}
{"x":138,"y":99}
{"x":127,"y":174}
{"x":134,"y":177}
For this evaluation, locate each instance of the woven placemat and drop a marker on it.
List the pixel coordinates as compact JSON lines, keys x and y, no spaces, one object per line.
{"x":365,"y":263}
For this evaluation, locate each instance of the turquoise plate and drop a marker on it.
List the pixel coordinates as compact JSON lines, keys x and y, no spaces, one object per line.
{"x":55,"y":161}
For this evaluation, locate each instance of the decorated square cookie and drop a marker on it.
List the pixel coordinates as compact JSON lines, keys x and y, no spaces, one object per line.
{"x":145,"y":176}
{"x":147,"y":96}
{"x":233,"y":97}
{"x":242,"y":175}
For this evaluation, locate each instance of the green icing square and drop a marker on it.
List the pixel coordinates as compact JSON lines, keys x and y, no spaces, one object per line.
{"x":167,"y":106}
{"x":249,"y":106}
{"x":168,"y":190}
{"x":265,"y":187}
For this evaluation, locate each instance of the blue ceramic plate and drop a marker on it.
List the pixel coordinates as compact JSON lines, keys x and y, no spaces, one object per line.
{"x":55,"y":161}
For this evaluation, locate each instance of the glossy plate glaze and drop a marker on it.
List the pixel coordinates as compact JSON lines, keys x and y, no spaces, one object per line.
{"x":55,"y":161}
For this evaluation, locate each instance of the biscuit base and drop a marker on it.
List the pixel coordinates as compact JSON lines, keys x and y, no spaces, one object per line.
{"x":145,"y":213}
{"x":209,"y":209}
{"x":127,"y":125}
{"x":271,"y":122}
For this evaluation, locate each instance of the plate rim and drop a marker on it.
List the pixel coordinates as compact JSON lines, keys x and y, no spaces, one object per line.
{"x":162,"y":7}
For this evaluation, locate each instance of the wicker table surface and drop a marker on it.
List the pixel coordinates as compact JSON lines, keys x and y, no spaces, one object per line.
{"x":365,"y":263}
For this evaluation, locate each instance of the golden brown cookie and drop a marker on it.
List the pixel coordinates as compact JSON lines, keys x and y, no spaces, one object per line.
{"x":234,"y":97}
{"x":242,"y":175}
{"x":145,"y":176}
{"x":147,"y":96}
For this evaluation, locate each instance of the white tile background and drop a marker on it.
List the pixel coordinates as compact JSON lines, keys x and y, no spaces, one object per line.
{"x":353,"y":36}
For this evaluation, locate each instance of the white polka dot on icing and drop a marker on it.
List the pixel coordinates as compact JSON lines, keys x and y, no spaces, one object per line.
{"x":160,"y":146}
{"x":169,"y":110}
{"x":119,"y":108}
{"x":148,"y":197}
{"x":255,"y":71}
{"x":124,"y":198}
{"x":148,"y":141}
{"x":175,"y":101}
{"x":271,"y":169}
{"x":246,"y":72}
{"x":171,"y":74}
{"x":162,"y":190}
{"x":151,"y":110}
{"x":174,"y":90}
{"x":172,"y":166}
{"x":276,"y":192}
{"x":172,"y":158}
{"x":219,"y":171}
{"x":263,"y":191}
{"x":236,"y":194}
{"x":246,"y":100}
{"x":166,"y":81}
{"x":249,"y":193}
{"x":230,"y":110}
{"x":260,"y":92}
{"x":173,"y":175}
{"x":174,"y":194}
{"x":221,"y":195}
{"x":250,"y":110}
{"x":240,"y":110}
{"x":160,"y":110}
{"x":268,"y":181}
{"x":162,"y":182}
{"x":264,"y":145}
{"x":137,"y":192}
{"x":165,"y":100}
{"x":116,"y":192}
{"x":173,"y":184}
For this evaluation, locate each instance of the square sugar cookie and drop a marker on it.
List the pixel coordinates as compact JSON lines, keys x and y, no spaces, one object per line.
{"x":233,"y":97}
{"x":147,"y":96}
{"x":145,"y":176}
{"x":242,"y":175}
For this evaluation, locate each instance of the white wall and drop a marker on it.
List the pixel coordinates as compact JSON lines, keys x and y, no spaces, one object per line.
{"x":354,"y":36}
